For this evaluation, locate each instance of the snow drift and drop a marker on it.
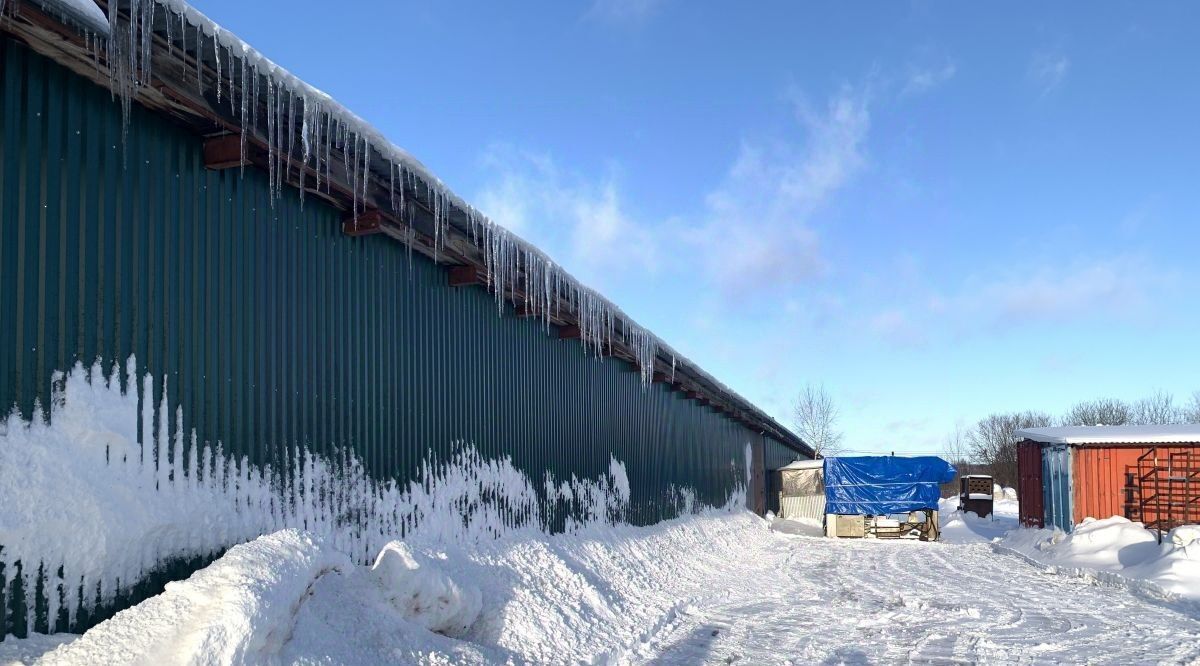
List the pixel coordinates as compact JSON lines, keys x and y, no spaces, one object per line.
{"x":424,"y":594}
{"x":238,"y":610}
{"x":1118,"y":550}
{"x":596,"y":595}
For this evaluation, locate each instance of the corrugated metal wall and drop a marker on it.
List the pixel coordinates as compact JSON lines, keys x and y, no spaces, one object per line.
{"x":1029,"y":484}
{"x":273,"y":329}
{"x":1100,"y":478}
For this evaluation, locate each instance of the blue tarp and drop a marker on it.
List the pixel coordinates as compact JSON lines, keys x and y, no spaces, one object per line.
{"x":879,"y":485}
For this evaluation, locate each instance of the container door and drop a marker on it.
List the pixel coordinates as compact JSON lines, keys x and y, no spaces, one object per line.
{"x":1056,"y":472}
{"x":1030,"y":489}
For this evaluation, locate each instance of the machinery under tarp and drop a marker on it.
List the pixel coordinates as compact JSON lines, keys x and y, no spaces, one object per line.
{"x":882,"y":485}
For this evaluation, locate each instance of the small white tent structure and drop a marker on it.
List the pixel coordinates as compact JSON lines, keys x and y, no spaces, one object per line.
{"x":802,"y":490}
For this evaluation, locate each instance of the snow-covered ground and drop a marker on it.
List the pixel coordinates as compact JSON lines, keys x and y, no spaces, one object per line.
{"x":718,"y":587}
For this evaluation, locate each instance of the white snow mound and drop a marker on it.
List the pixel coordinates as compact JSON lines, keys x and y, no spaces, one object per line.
{"x":1122,"y":547}
{"x":423,"y":594}
{"x":238,"y":610}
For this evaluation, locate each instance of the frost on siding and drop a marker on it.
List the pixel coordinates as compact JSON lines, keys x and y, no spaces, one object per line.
{"x":100,"y":509}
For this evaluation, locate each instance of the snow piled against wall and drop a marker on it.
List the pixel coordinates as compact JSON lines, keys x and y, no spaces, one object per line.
{"x":1118,"y":550}
{"x":100,"y":509}
{"x":600,"y":595}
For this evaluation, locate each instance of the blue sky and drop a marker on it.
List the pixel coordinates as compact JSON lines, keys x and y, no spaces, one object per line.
{"x":933,"y":209}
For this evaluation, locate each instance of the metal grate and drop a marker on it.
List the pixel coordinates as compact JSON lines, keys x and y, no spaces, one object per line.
{"x":1163,"y":489}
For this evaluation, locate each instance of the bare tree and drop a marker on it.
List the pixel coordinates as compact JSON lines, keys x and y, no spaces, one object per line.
{"x":957,"y":449}
{"x":815,"y":417}
{"x":993,"y":443}
{"x":1158,"y":409}
{"x":1192,"y":411}
{"x":1104,"y":411}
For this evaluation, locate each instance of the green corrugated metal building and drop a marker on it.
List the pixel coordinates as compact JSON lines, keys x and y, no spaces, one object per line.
{"x":360,"y":317}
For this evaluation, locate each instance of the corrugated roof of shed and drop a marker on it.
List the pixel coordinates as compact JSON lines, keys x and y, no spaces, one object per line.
{"x":1126,"y":434}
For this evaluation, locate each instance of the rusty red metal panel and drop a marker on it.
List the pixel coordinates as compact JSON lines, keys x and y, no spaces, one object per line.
{"x":1100,"y":477}
{"x":1029,"y":484}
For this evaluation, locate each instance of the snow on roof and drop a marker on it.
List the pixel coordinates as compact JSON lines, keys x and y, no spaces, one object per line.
{"x":323,"y":124}
{"x":804,"y":464}
{"x":1127,"y":434}
{"x":85,"y":13}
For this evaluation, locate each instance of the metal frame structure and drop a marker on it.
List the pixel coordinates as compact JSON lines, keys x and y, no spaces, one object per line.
{"x":1163,"y":491}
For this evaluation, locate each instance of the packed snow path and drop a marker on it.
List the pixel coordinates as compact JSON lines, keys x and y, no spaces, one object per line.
{"x":813,"y":600}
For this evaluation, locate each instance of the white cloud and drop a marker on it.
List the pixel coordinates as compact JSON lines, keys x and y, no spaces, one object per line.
{"x":751,"y":234}
{"x":1117,"y":286}
{"x":757,"y":229}
{"x":581,"y":222}
{"x":921,"y":80}
{"x":1120,"y":288}
{"x":625,"y":12}
{"x":1049,"y":70}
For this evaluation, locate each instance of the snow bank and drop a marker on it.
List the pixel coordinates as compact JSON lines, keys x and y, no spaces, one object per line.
{"x":424,"y":594}
{"x":600,"y":595}
{"x":1118,"y":550}
{"x":798,"y":526}
{"x":965,"y":527}
{"x":19,"y":651}
{"x":110,"y":487}
{"x":239,"y":610}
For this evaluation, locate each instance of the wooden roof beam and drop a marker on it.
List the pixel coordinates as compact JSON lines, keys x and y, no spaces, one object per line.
{"x":367,"y":223}
{"x":224,"y":152}
{"x":464,"y":276}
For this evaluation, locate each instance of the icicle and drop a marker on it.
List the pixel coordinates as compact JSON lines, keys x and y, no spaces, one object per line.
{"x":170,"y":37}
{"x":244,"y":120}
{"x":254,"y":99}
{"x":217,"y":56}
{"x":271,"y":140}
{"x":305,"y":144}
{"x":291,"y":137}
{"x":366,"y":170}
{"x":147,"y":43}
{"x":392,"y":188}
{"x":199,"y":60}
{"x":328,"y":140}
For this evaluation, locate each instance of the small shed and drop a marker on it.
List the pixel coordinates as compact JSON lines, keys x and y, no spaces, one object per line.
{"x":1146,"y":473}
{"x":801,"y":488}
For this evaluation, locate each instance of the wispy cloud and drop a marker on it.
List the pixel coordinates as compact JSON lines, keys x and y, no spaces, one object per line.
{"x":1048,"y":70}
{"x":923,"y":79}
{"x":1118,"y":288}
{"x":623,"y":12}
{"x":580,"y":221}
{"x":757,"y":229}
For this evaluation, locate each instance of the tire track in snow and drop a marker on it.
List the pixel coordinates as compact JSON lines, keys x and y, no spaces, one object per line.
{"x":811,"y":600}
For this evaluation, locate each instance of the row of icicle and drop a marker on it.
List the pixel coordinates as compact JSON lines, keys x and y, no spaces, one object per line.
{"x":304,"y":132}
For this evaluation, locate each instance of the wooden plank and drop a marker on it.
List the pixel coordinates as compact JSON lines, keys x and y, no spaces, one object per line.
{"x":367,"y":223}
{"x":463,"y":276}
{"x":568,"y":332}
{"x":224,"y":152}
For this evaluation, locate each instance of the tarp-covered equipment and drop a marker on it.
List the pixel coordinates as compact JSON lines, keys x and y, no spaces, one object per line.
{"x":880,"y":485}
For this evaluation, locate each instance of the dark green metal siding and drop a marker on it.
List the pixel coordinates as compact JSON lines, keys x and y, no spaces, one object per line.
{"x":273,"y":329}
